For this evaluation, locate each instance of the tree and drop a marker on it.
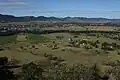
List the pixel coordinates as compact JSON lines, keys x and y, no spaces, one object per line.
{"x":21,"y":47}
{"x":5,"y":72}
{"x":118,"y":52}
{"x":32,"y":71}
{"x":96,"y":72}
{"x":98,"y":42}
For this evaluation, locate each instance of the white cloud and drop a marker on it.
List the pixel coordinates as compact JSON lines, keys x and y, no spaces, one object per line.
{"x":12,"y":3}
{"x":15,"y":3}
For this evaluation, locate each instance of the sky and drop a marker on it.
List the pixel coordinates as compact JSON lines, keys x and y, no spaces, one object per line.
{"x":62,"y":8}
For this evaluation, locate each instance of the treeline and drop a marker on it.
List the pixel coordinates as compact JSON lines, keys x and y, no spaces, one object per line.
{"x":52,"y":31}
{"x":57,"y":23}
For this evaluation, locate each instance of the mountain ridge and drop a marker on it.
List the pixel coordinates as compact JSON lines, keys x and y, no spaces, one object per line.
{"x":11,"y":18}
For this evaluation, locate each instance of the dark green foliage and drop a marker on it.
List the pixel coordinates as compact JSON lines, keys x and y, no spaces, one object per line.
{"x":96,"y":72}
{"x":116,"y":72}
{"x":33,"y":46}
{"x":118,"y":52}
{"x":21,"y":47}
{"x":55,"y":46}
{"x":1,"y":49}
{"x":94,"y":44}
{"x":87,"y":47}
{"x":13,"y":62}
{"x":75,"y":36}
{"x":5,"y":72}
{"x":32,"y":72}
{"x":105,"y":44}
{"x":34,"y":38}
{"x":98,"y":42}
{"x":60,"y":37}
{"x":113,"y":63}
{"x":7,"y":39}
{"x":83,"y":41}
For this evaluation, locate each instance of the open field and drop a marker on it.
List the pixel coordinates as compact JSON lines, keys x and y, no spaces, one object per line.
{"x":21,"y":37}
{"x":25,"y":51}
{"x":102,"y":28}
{"x":33,"y":38}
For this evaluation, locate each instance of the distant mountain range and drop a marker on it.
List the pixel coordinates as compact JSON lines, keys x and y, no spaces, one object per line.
{"x":11,"y":18}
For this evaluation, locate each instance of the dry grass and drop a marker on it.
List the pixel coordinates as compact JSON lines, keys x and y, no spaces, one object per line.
{"x":101,"y":28}
{"x":77,"y":55}
{"x":21,"y":37}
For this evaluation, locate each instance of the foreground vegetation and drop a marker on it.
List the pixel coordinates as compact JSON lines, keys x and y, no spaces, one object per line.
{"x":61,"y":71}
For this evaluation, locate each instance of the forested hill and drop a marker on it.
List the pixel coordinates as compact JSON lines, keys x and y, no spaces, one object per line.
{"x":11,"y":18}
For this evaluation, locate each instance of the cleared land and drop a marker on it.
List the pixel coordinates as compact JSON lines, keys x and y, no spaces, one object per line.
{"x":21,"y":37}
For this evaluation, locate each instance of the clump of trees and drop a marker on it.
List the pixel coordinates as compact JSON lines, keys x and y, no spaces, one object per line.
{"x":5,"y":69}
{"x":31,"y":71}
{"x":118,"y":52}
{"x":85,"y":43}
{"x":34,"y":71}
{"x":107,"y":46}
{"x":59,"y":37}
{"x":57,"y":60}
{"x":54,"y":45}
{"x":1,"y":49}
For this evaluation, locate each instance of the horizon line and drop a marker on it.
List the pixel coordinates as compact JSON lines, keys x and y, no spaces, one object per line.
{"x":57,"y":16}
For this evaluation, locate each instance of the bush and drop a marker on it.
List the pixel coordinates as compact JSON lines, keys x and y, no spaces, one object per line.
{"x":14,"y":62}
{"x":5,"y":72}
{"x":33,"y":71}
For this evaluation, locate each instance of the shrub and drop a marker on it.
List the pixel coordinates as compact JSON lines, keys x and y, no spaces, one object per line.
{"x":31,"y":71}
{"x":14,"y":62}
{"x":116,"y":72}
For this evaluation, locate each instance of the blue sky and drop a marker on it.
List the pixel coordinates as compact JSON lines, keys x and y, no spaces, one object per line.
{"x":61,"y":8}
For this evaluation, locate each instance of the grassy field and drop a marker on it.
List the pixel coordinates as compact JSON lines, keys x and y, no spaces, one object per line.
{"x":102,"y":28}
{"x":7,"y":39}
{"x":33,"y":38}
{"x":21,"y":37}
{"x":28,"y":50}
